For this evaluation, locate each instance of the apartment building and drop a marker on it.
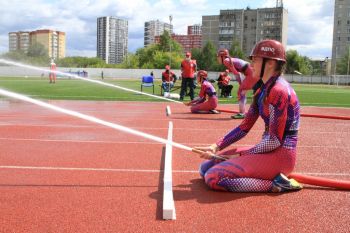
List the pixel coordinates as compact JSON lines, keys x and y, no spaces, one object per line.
{"x":112,"y":39}
{"x":19,"y":41}
{"x":341,"y":32}
{"x":195,"y":29}
{"x":155,"y":28}
{"x":247,"y":26}
{"x":53,"y":41}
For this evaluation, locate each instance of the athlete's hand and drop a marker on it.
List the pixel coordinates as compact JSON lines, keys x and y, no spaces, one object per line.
{"x":206,"y":155}
{"x":212,"y":148}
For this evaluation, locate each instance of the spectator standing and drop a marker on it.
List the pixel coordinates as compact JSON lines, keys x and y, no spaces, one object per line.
{"x":188,"y":69}
{"x":52,"y":75}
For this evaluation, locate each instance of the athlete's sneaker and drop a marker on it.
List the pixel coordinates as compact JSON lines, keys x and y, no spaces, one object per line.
{"x":282,"y":184}
{"x":214,"y":111}
{"x":238,"y":116}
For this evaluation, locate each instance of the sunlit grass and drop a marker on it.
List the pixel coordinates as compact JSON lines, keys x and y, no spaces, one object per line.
{"x":72,"y":89}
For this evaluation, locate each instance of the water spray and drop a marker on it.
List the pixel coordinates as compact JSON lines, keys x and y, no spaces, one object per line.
{"x":92,"y":119}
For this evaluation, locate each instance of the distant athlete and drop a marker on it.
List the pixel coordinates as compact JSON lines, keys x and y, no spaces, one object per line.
{"x":168,"y":79}
{"x":246,"y":82}
{"x":207,"y":100}
{"x":224,"y":84}
{"x":263,"y":167}
{"x":188,"y":70}
{"x":52,"y":75}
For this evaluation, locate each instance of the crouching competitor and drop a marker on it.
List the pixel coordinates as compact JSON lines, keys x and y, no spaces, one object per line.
{"x":246,"y":82}
{"x":262,"y":168}
{"x":207,"y":100}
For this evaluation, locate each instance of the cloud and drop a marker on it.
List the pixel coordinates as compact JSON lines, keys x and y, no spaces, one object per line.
{"x":310,"y":29}
{"x":310,"y":21}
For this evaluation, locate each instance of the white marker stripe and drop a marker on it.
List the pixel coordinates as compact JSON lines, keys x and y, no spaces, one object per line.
{"x":168,"y":198}
{"x":150,"y":143}
{"x":143,"y":170}
{"x":78,"y":169}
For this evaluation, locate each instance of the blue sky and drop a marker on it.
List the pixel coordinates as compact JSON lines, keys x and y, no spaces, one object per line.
{"x":310,"y":22}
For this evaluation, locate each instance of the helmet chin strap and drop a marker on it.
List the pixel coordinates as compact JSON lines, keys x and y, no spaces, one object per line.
{"x":262,"y":71}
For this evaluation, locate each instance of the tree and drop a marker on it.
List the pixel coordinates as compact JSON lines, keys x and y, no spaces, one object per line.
{"x":208,"y":56}
{"x":298,"y":63}
{"x":343,"y":66}
{"x":197,"y":55}
{"x":236,"y":51}
{"x":37,"y":50}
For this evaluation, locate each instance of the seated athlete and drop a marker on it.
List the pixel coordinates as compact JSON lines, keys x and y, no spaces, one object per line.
{"x":168,"y":79}
{"x":224,"y":84}
{"x":207,"y":100}
{"x":262,"y":168}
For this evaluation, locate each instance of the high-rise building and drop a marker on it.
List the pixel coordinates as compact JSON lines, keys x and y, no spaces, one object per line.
{"x":53,"y":41}
{"x":112,"y":39}
{"x":19,"y":41}
{"x":155,"y":28}
{"x":246,"y":26}
{"x":195,"y":29}
{"x":341,"y":32}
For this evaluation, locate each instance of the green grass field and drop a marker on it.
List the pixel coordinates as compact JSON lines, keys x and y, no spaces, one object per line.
{"x":71,"y":89}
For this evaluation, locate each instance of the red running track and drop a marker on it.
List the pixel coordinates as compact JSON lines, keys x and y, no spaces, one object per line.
{"x":62,"y":174}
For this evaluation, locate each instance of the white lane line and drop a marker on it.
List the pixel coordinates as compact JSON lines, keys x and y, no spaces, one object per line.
{"x":76,"y":141}
{"x":79,"y":169}
{"x":150,"y":143}
{"x":142,"y":170}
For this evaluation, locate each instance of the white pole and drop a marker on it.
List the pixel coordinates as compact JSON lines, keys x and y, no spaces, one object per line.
{"x":170,"y":19}
{"x":348,"y":60}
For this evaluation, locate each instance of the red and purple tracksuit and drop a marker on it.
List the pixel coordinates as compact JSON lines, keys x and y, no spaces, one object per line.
{"x":202,"y":104}
{"x":253,"y":171}
{"x":236,"y":66}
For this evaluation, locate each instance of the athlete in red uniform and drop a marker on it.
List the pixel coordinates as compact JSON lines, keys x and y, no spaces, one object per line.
{"x":168,"y":79}
{"x":224,"y":84}
{"x":260,"y":168}
{"x":52,"y":75}
{"x":207,"y":100}
{"x":188,"y":69}
{"x":237,"y":67}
